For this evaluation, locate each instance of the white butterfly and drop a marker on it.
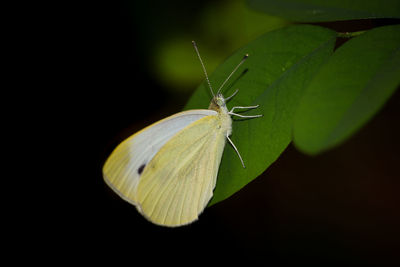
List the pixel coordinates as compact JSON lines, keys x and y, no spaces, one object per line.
{"x":169,"y":169}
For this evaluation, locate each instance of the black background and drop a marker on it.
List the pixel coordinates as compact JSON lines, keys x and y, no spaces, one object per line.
{"x":338,"y":207}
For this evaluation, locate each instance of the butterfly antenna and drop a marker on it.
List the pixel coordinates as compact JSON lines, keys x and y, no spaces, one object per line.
{"x":234,"y":70}
{"x":204,"y":68}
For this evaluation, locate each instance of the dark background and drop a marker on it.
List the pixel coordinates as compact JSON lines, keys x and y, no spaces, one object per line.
{"x":338,"y":207}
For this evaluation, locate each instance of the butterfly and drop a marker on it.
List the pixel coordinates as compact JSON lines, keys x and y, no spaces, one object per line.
{"x":168,"y":170}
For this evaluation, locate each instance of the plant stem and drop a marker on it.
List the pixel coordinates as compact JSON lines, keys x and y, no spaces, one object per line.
{"x":349,"y":34}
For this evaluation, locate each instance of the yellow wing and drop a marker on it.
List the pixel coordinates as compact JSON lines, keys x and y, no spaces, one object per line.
{"x":122,"y":170}
{"x":178,"y":182}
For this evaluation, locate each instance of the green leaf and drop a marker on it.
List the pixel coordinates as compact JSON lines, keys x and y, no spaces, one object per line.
{"x":328,"y":10}
{"x":280,"y":65}
{"x":349,"y":89}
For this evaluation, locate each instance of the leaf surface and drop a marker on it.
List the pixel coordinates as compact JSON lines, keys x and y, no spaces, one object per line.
{"x":349,"y":89}
{"x":328,"y":10}
{"x":280,"y":66}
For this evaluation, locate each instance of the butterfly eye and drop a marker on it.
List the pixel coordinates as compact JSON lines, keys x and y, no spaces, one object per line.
{"x":219,"y":100}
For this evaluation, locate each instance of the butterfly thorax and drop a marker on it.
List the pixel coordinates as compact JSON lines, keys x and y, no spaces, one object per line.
{"x":219,"y":105}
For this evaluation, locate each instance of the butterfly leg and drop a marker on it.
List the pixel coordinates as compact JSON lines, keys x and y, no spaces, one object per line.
{"x":227,"y":99}
{"x":244,"y":116}
{"x":249,"y":107}
{"x":237,"y":151}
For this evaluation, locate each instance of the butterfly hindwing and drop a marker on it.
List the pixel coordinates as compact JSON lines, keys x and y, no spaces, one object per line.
{"x":178,"y":182}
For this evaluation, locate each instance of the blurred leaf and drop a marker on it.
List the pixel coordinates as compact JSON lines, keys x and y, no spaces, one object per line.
{"x":221,"y":27}
{"x":349,"y":89}
{"x":280,"y":66}
{"x":329,"y":10}
{"x":174,"y":63}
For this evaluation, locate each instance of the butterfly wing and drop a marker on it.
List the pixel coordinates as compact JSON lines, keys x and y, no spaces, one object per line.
{"x":178,"y":182}
{"x":123,"y":169}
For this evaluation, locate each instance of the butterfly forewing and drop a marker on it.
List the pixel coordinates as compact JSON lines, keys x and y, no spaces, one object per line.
{"x":125,"y":166}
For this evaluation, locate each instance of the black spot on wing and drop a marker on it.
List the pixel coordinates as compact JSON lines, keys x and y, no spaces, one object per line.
{"x":141,"y":168}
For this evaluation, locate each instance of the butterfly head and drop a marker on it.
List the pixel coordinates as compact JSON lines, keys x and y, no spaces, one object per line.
{"x":218,"y":102}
